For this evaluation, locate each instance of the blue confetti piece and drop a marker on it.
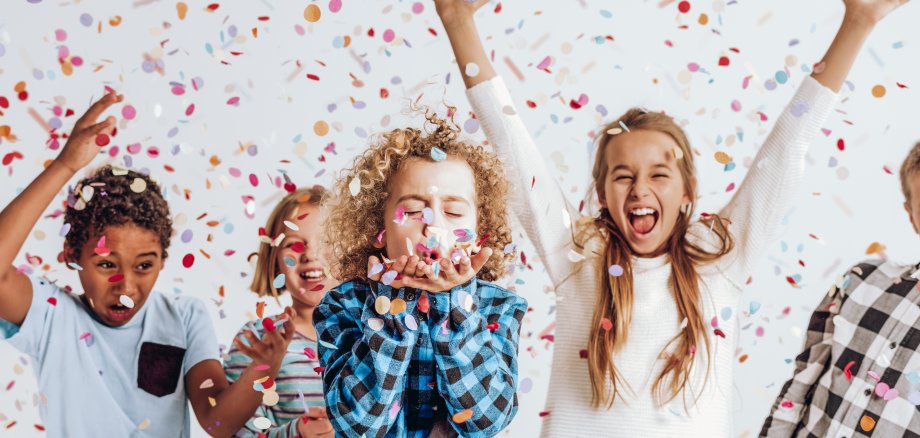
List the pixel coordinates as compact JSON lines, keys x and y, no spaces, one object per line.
{"x":279,"y":281}
{"x":437,"y":154}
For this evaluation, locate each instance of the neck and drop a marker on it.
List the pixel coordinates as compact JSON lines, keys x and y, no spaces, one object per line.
{"x":303,"y":319}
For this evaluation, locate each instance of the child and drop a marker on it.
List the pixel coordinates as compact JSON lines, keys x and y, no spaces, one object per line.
{"x":118,"y":359}
{"x":857,"y":374}
{"x":299,"y":260}
{"x":419,"y":342}
{"x":639,"y":286}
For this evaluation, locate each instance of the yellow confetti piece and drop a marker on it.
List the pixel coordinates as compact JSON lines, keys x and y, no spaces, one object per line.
{"x":875,"y":248}
{"x":678,"y":153}
{"x":463,"y":416}
{"x":397,"y":306}
{"x":704,"y":19}
{"x":212,"y":401}
{"x":878,"y":91}
{"x":867,"y":423}
{"x":723,"y":158}
{"x":312,"y":13}
{"x":321,"y":128}
{"x":181,"y":9}
{"x":144,"y":424}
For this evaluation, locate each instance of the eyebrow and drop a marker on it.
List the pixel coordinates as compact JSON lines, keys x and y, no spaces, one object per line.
{"x":625,"y":167}
{"x":448,"y":198}
{"x":115,"y":253}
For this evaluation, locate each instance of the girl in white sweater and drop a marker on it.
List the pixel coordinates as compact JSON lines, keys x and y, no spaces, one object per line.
{"x":640,"y":347}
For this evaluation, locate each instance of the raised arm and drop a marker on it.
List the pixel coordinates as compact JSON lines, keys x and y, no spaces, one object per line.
{"x":18,"y":218}
{"x":772,"y":183}
{"x":536,"y":199}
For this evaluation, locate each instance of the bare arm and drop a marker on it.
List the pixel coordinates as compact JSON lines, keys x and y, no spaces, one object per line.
{"x":18,"y":218}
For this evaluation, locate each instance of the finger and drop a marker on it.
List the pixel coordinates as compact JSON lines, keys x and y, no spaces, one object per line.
{"x":248,"y":352}
{"x":450,"y":273}
{"x":288,"y":330}
{"x":421,"y":269}
{"x":97,"y":108}
{"x":104,"y":126}
{"x":317,"y":412}
{"x":400,"y":264}
{"x":481,"y":258}
{"x":411,"y":264}
{"x":252,"y":338}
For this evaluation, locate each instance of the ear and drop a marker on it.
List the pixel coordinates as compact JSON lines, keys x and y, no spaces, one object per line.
{"x":601,"y":197}
{"x":688,"y":196}
{"x":910,"y":214}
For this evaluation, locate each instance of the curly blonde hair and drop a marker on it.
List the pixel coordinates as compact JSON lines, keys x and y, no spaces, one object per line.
{"x":354,"y":221}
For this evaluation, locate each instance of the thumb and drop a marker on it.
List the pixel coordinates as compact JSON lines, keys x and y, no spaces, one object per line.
{"x":479,"y":259}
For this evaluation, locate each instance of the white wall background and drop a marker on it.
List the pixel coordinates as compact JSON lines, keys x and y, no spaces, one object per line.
{"x":848,"y":201}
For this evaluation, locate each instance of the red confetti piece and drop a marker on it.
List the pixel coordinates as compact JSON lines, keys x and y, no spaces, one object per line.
{"x":8,"y":158}
{"x":544,"y":413}
{"x":384,"y":93}
{"x":310,"y":353}
{"x":319,"y":369}
{"x":188,"y":260}
{"x":791,"y":280}
{"x":840,"y":144}
{"x":268,"y":324}
{"x":424,"y":305}
{"x":887,"y":170}
{"x":900,"y":85}
{"x":492,"y":326}
{"x":606,"y":324}
{"x":116,"y":278}
{"x":52,"y":301}
{"x":720,"y":333}
{"x":583,"y":354}
{"x":9,"y":386}
{"x":724,"y":61}
{"x":787,"y":404}
{"x":298,"y":247}
{"x":847,"y":369}
{"x":212,"y":7}
{"x":312,"y":76}
{"x":683,"y":7}
{"x":102,"y":140}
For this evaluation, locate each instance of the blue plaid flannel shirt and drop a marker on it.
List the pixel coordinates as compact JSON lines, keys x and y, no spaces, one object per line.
{"x":399,"y":375}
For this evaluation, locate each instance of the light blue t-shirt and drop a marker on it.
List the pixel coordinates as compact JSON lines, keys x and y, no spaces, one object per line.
{"x":126,"y":381}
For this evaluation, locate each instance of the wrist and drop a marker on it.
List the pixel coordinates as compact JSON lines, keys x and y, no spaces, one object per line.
{"x":859,"y":21}
{"x":453,"y":23}
{"x":58,"y":166}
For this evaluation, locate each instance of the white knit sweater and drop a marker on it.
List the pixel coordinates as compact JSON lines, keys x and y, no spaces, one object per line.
{"x":755,"y":212}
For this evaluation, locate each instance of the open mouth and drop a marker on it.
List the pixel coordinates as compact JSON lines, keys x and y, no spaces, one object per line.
{"x":313,"y":275}
{"x":119,"y":313}
{"x":642,"y":220}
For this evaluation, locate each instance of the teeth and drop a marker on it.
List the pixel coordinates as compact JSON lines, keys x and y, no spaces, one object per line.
{"x":642,"y":211}
{"x":312,"y":274}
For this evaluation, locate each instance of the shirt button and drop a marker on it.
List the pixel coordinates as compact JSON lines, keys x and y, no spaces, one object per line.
{"x":410,"y":296}
{"x":433,"y":299}
{"x":867,"y":392}
{"x":893,"y":346}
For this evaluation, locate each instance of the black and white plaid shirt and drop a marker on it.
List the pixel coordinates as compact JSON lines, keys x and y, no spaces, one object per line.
{"x":859,"y":373}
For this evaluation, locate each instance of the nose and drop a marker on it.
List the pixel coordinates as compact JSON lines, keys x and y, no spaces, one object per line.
{"x":639,"y":190}
{"x":127,"y":285}
{"x":309,"y":253}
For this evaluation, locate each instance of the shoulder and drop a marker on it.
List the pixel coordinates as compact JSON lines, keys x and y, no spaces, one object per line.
{"x":882,"y":274}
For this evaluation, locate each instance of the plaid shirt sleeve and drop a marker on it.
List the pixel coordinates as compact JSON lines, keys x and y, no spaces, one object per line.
{"x":365,"y":369}
{"x":475,"y":332}
{"x":786,"y":415}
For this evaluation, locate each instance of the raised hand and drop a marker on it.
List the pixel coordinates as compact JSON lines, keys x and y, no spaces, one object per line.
{"x":451,"y":10}
{"x":81,"y":146}
{"x":271,"y":348}
{"x":871,"y":10}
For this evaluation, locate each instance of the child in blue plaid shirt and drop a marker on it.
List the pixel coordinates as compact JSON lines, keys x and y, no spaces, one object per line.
{"x":419,"y":343}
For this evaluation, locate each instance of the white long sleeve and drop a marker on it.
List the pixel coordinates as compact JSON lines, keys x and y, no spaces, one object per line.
{"x":755,"y":212}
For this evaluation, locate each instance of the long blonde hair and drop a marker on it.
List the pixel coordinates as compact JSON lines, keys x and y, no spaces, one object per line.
{"x":286,"y":209}
{"x":615,"y":300}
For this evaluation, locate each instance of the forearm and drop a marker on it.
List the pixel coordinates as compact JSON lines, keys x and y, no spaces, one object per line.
{"x":840,"y":56}
{"x":18,"y":218}
{"x":468,"y":49}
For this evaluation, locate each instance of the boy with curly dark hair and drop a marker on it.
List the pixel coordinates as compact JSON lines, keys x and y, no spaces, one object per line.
{"x":118,"y":357}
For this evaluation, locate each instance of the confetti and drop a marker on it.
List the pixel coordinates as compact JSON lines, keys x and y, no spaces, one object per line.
{"x":126,"y":301}
{"x":462,"y":416}
{"x":262,"y":423}
{"x":471,"y":70}
{"x":382,"y":304}
{"x":389,"y":277}
{"x":279,"y":281}
{"x":615,"y":270}
{"x":208,"y":383}
{"x":878,"y":91}
{"x":437,"y":154}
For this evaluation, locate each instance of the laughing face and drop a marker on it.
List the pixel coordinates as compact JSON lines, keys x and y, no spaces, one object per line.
{"x":643,"y":188}
{"x":302,"y":257}
{"x":118,"y":272}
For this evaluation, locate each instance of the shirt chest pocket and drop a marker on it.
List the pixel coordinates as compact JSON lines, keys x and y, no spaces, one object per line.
{"x":159,"y":368}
